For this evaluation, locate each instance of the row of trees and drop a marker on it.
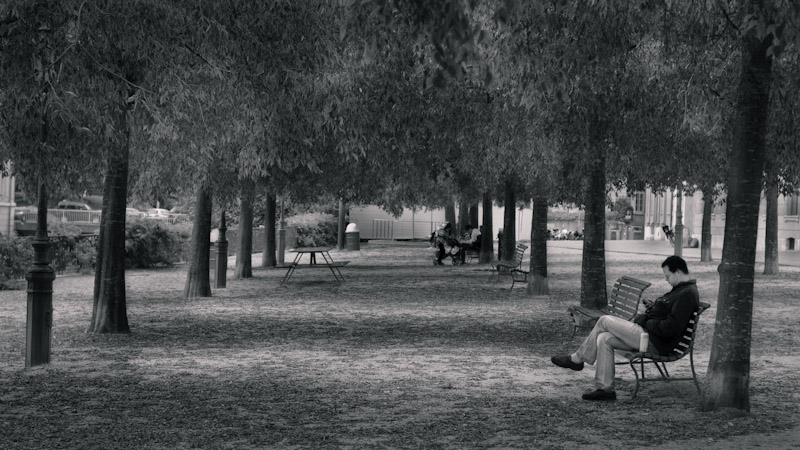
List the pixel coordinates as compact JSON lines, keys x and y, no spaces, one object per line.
{"x":405,"y":103}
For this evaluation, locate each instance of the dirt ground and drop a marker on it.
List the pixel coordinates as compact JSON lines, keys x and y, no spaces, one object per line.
{"x":403,"y":354}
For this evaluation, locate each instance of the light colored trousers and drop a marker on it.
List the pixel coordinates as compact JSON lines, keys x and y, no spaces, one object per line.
{"x":608,"y":334}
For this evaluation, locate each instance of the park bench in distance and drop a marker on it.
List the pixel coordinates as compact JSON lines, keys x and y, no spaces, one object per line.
{"x":685,"y":347}
{"x":513,"y":267}
{"x":623,"y":301}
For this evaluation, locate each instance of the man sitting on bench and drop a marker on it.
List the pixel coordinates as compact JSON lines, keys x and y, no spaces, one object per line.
{"x":664,"y":321}
{"x":442,"y":237}
{"x":471,"y":240}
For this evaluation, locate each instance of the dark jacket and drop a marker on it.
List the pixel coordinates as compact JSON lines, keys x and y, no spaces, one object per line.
{"x":666,"y":319}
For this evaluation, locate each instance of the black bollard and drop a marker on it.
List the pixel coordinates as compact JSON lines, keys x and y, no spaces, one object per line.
{"x":40,"y":278}
{"x":222,"y":255}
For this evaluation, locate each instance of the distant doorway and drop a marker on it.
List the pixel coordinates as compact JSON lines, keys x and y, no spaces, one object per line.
{"x":790,"y":244}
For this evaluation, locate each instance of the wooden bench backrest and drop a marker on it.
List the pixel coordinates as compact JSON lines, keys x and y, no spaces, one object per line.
{"x":625,"y":297}
{"x":686,"y":343}
{"x":519,"y":253}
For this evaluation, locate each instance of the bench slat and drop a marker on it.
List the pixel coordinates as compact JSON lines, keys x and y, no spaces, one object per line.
{"x":623,"y":301}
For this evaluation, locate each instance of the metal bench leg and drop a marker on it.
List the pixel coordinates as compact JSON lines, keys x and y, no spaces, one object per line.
{"x":694,"y":374}
{"x":663,"y":370}
{"x":636,"y":374}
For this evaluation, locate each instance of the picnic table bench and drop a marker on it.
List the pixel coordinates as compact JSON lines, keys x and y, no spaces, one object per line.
{"x":327,"y":262}
{"x":623,"y":301}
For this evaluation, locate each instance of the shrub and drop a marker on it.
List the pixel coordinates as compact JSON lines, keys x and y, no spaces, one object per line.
{"x":314,"y":229}
{"x":73,"y":252}
{"x":16,"y":255}
{"x":149,"y":243}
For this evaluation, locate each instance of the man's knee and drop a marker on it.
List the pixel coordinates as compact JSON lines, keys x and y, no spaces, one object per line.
{"x":603,"y":338}
{"x":603,"y":320}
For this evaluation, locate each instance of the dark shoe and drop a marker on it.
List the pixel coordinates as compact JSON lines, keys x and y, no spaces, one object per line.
{"x":566,"y":362}
{"x":600,"y":395}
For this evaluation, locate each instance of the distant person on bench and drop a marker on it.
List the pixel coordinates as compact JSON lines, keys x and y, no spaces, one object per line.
{"x":442,"y":237}
{"x":471,"y":240}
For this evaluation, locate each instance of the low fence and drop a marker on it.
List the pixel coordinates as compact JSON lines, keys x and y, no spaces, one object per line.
{"x":399,"y":229}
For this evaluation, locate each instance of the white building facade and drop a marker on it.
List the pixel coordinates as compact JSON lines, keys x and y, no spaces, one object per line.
{"x":661,"y":209}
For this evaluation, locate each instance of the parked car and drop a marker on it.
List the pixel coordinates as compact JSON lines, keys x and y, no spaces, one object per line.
{"x":133,"y":212}
{"x":157,"y":214}
{"x":20,"y":212}
{"x":79,"y":206}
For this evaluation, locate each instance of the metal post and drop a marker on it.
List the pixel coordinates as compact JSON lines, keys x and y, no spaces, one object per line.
{"x":40,"y":292}
{"x":222,"y":255}
{"x":281,"y":236}
{"x":679,"y":224}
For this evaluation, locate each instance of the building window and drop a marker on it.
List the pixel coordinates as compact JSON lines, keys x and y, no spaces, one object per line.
{"x":638,"y":203}
{"x":791,"y":204}
{"x":790,"y":244}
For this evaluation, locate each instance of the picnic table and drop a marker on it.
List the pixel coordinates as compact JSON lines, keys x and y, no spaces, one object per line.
{"x":313,"y":263}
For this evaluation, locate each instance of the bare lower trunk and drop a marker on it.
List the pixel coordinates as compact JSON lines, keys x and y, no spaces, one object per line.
{"x":197,"y":280}
{"x":705,"y":237}
{"x":109,"y":312}
{"x":509,"y":244}
{"x":728,"y":376}
{"x":537,"y":285}
{"x":593,"y":266}
{"x":270,"y":251}
{"x":463,"y":216}
{"x":98,"y":264}
{"x":487,"y":239}
{"x":450,"y":212}
{"x":771,"y":260}
{"x":474,"y":219}
{"x":244,"y":255}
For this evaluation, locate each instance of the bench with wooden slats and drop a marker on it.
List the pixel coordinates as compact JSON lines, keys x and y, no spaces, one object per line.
{"x":513,"y":267}
{"x":684,"y":347}
{"x":623,"y":301}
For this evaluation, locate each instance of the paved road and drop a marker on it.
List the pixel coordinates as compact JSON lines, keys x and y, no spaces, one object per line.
{"x":789,"y":258}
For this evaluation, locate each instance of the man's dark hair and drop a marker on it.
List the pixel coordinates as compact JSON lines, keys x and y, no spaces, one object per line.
{"x":675,"y":263}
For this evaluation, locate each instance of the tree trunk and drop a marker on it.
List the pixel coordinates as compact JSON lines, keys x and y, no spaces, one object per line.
{"x":593,"y":265}
{"x":109,"y":311}
{"x":340,"y":235}
{"x":474,"y":218}
{"x":463,"y":216}
{"x":450,"y":213}
{"x":509,"y":244}
{"x":244,"y":255}
{"x":728,"y":375}
{"x":98,"y":263}
{"x":197,"y":279}
{"x":705,"y":237}
{"x":771,"y":266}
{"x":487,"y":239}
{"x":270,"y":258}
{"x":678,"y":247}
{"x":538,"y":267}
